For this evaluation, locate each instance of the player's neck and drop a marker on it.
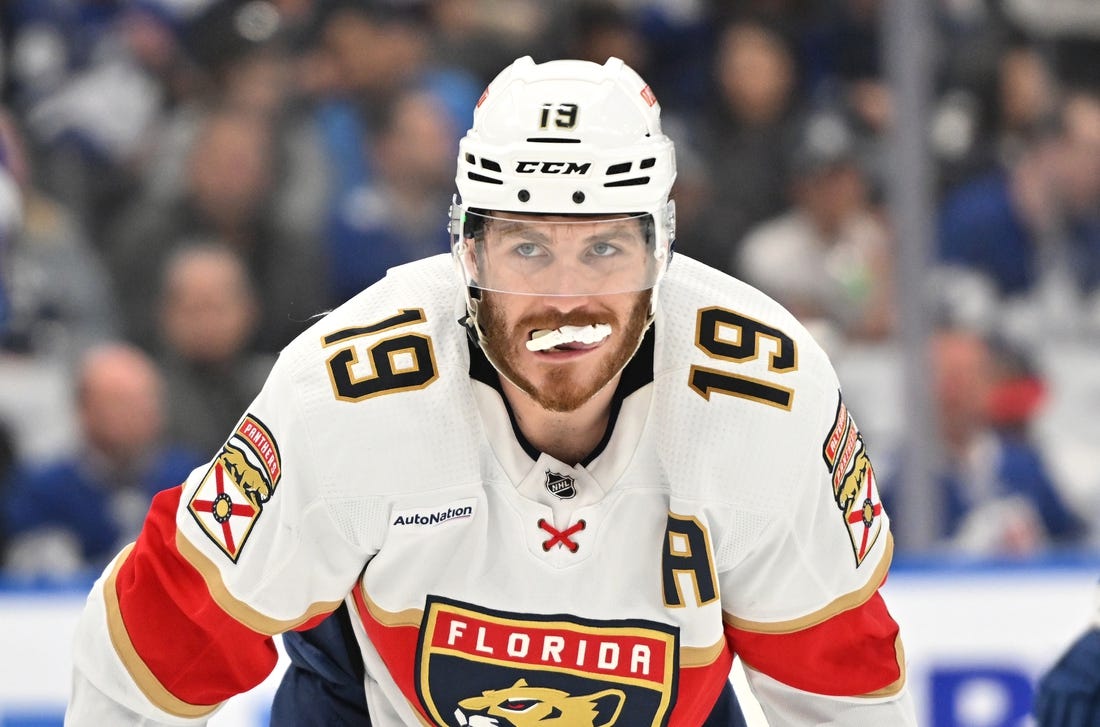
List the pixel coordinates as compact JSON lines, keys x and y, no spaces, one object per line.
{"x":569,"y":437}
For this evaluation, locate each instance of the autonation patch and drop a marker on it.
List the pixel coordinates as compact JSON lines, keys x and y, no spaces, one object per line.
{"x":460,"y":510}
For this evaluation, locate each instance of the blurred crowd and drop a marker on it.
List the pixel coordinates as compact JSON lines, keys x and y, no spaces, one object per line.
{"x":187,"y":184}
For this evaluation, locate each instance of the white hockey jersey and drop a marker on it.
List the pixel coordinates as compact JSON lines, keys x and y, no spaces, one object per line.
{"x":731,"y":508}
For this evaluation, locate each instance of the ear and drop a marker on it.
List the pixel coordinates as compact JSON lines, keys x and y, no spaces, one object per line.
{"x":608,"y":703}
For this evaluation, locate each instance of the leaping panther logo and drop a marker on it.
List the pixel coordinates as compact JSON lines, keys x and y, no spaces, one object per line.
{"x":248,"y":478}
{"x":521,"y":705}
{"x":852,"y":486}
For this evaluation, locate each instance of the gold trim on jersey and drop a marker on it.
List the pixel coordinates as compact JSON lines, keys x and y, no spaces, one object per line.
{"x":898,"y":684}
{"x":694,"y":656}
{"x":408,"y":617}
{"x":839,"y":605}
{"x":143,"y":677}
{"x":236,"y":608}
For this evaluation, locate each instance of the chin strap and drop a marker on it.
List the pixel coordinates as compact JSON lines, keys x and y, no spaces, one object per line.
{"x":470,"y":320}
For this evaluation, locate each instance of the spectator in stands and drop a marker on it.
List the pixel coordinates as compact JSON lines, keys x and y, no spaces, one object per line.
{"x":476,"y":36}
{"x":230,"y":174}
{"x":856,"y":48}
{"x":42,"y":323}
{"x":394,"y":219}
{"x":1029,"y":235}
{"x":828,"y":259}
{"x":56,"y":298}
{"x":841,"y":66}
{"x":372,"y":52}
{"x":747,"y":129}
{"x":247,"y":58}
{"x":997,"y":493}
{"x":1026,"y":98}
{"x":208,"y":316}
{"x":75,"y":512}
{"x":603,"y":29}
{"x":999,"y":97}
{"x":90,"y":82}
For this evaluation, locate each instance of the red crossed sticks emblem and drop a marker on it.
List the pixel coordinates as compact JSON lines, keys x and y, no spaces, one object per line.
{"x":563,"y":537}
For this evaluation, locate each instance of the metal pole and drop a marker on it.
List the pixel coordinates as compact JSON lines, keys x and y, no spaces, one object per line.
{"x":908,"y":35}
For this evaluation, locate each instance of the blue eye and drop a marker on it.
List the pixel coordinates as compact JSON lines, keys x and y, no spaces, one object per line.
{"x":604,"y":249}
{"x":527,"y":249}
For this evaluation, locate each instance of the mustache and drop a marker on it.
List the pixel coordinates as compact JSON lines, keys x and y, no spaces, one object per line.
{"x":550,"y":320}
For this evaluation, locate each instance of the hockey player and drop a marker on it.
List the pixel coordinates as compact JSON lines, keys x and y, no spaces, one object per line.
{"x":557,"y":477}
{"x":1068,"y":694}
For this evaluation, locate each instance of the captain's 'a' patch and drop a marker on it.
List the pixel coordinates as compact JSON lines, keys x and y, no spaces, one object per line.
{"x":243,"y":477}
{"x":854,"y":488}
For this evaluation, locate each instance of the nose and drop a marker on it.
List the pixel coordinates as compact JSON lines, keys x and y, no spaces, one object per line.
{"x":566,"y":278}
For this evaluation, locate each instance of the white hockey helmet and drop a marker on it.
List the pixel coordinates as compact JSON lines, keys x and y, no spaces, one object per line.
{"x":565,"y":138}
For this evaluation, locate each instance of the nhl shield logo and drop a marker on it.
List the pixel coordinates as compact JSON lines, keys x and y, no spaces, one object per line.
{"x":560,"y":486}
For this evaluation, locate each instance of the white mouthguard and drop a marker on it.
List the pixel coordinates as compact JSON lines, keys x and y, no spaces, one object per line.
{"x":544,"y":339}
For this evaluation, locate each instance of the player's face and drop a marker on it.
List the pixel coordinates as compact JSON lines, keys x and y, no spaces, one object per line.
{"x":598,"y":334}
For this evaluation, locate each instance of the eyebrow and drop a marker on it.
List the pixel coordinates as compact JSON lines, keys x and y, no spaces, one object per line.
{"x":506,"y":227}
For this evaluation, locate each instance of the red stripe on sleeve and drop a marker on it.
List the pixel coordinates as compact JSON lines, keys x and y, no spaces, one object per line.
{"x":850,"y":654}
{"x":197,"y":651}
{"x":698,"y":689}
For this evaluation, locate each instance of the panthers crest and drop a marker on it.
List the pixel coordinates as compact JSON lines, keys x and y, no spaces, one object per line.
{"x":241,"y":479}
{"x":483,"y":668}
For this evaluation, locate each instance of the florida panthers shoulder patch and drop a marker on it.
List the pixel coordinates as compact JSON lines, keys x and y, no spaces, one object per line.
{"x":243,"y":477}
{"x":854,"y":489}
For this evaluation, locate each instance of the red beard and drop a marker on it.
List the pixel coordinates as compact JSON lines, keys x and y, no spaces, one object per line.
{"x":567,"y":386}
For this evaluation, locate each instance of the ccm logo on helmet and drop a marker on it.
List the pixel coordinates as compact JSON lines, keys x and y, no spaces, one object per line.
{"x":552,"y":167}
